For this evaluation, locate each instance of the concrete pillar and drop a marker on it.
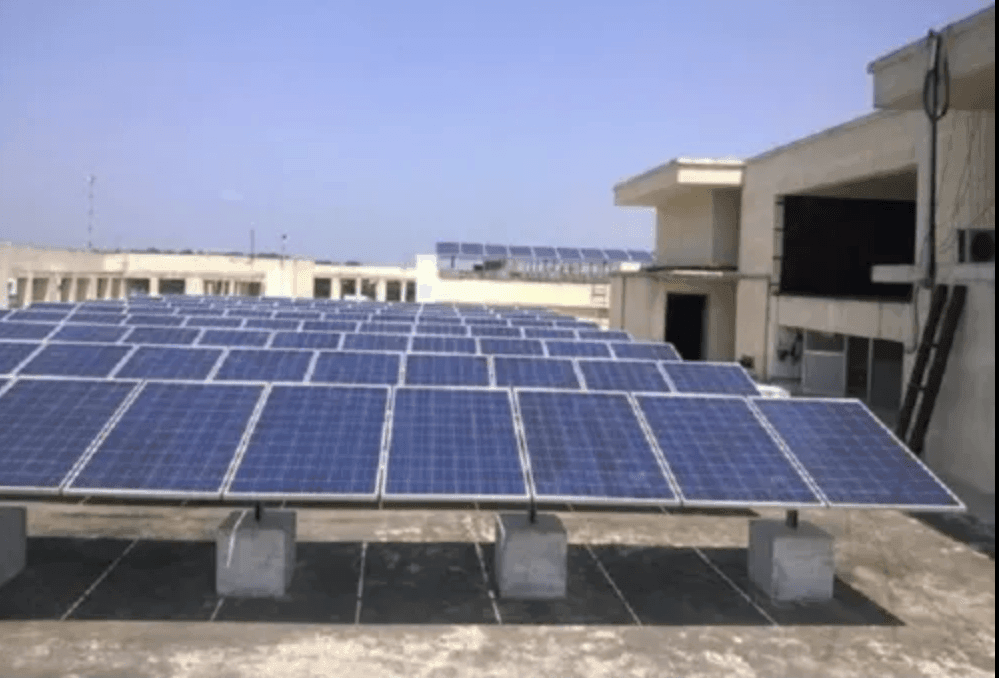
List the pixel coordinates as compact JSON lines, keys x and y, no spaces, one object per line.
{"x":334,"y":288}
{"x":13,"y":541}
{"x":154,"y":286}
{"x":28,"y":295}
{"x":91,"y":287}
{"x":193,"y":286}
{"x":791,"y":564}
{"x":255,"y":558}
{"x":531,"y":557}
{"x":52,"y":288}
{"x":380,"y":287}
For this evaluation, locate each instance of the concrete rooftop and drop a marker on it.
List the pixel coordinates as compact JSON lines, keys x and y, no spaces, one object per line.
{"x":116,"y":590}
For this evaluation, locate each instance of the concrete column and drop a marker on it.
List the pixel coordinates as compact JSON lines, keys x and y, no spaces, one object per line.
{"x":13,"y":541}
{"x":334,"y":288}
{"x":28,"y":294}
{"x":154,"y":286}
{"x":52,"y":289}
{"x":380,"y":287}
{"x":255,"y":558}
{"x":791,"y":564}
{"x":92,"y":287}
{"x":531,"y":557}
{"x":193,"y":286}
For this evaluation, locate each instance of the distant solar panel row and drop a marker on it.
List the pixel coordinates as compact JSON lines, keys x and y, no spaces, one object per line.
{"x":524,"y":252}
{"x":160,"y":439}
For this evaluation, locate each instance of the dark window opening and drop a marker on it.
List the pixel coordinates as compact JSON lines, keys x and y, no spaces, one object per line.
{"x":685,"y":324}
{"x":137,"y":286}
{"x":348,"y":288}
{"x":172,"y":286}
{"x":393,"y":291}
{"x":410,"y":291}
{"x":322,"y":288}
{"x":368,"y":288}
{"x":830,"y":245}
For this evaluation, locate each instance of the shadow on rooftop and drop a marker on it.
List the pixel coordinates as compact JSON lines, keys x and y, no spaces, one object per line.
{"x":963,"y":527}
{"x":406,"y":583}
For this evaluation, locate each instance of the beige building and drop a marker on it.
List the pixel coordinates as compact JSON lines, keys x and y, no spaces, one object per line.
{"x":810,"y":262}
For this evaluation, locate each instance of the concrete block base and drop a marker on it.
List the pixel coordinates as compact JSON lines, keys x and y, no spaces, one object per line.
{"x":255,"y":559}
{"x":13,"y":541}
{"x":531,"y":558}
{"x":791,"y":564}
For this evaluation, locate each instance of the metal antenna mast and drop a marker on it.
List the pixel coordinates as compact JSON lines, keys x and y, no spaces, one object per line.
{"x":90,"y":210}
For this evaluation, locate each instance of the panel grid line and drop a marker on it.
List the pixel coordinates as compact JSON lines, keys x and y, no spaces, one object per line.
{"x":656,"y":450}
{"x":244,"y":442}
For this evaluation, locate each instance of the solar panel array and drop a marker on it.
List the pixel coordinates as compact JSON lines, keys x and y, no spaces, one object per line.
{"x":468,"y":250}
{"x":438,"y":403}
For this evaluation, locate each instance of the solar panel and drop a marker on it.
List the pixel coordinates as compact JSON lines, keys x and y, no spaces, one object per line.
{"x":641,"y":255}
{"x":162,"y":335}
{"x":458,"y":444}
{"x":496,"y":346}
{"x":450,"y":329}
{"x":569,"y":254}
{"x":500,"y":251}
{"x":386,"y":328}
{"x":154,"y":319}
{"x":162,"y":362}
{"x":521,"y":252}
{"x":174,"y":438}
{"x":853,"y":458}
{"x":76,"y":360}
{"x":96,"y":318}
{"x":538,"y":372}
{"x":710,"y":378}
{"x":448,"y":249}
{"x":589,"y":447}
{"x":13,"y":353}
{"x":470,"y":249}
{"x":545,"y":253}
{"x":249,"y":313}
{"x":357,"y":368}
{"x":616,"y":255}
{"x":37,"y":316}
{"x":589,"y":349}
{"x":620,"y":375}
{"x":446,"y":370}
{"x":315,"y":440}
{"x":213,"y":321}
{"x":264,"y":365}
{"x":548,"y":333}
{"x":12,"y":330}
{"x":272,"y":324}
{"x":375,"y":342}
{"x":298,"y":315}
{"x":602,"y":335}
{"x":592,"y":254}
{"x":720,"y":453}
{"x":645,"y":351}
{"x":330,"y":325}
{"x":438,"y":344}
{"x":495,"y":331}
{"x":329,"y":340}
{"x":96,"y":333}
{"x":46,"y":426}
{"x":234,"y":338}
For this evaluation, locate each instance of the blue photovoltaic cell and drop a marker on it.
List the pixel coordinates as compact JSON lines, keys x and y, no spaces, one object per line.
{"x":272,"y":324}
{"x":851,"y":456}
{"x":471,"y":249}
{"x":13,"y":353}
{"x":203,"y":312}
{"x":495,"y":331}
{"x":431,"y":344}
{"x":234,"y":338}
{"x":448,"y":249}
{"x":3,"y":312}
{"x":213,"y":321}
{"x":330,"y":325}
{"x":521,"y":252}
{"x":530,"y":322}
{"x":298,"y":315}
{"x":46,"y":425}
{"x":453,"y":444}
{"x":710,"y":378}
{"x":641,"y":255}
{"x":442,"y":328}
{"x":720,"y":452}
{"x":589,"y":445}
{"x":76,"y":360}
{"x":545,"y":253}
{"x":161,"y":362}
{"x":496,"y":251}
{"x":155,"y":319}
{"x":173,"y":438}
{"x":328,"y":340}
{"x":495,"y":346}
{"x":11,"y":330}
{"x":446,"y":370}
{"x":548,"y":333}
{"x":485,"y":320}
{"x":249,"y":313}
{"x":162,"y":335}
{"x":591,"y":254}
{"x":315,"y":440}
{"x":265,"y":365}
{"x":386,"y":328}
{"x":96,"y":318}
{"x":375,"y":342}
{"x":539,"y":372}
{"x":620,"y":375}
{"x":643,"y":351}
{"x":603,"y":335}
{"x":589,"y":349}
{"x":37,"y":316}
{"x":616,"y":255}
{"x":357,"y":368}
{"x":569,"y":254}
{"x":101,"y":334}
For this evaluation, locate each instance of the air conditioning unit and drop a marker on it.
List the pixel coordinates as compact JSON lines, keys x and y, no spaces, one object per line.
{"x":976,"y":245}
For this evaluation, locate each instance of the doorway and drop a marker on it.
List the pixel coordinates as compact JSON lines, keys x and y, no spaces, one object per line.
{"x":685,"y":315}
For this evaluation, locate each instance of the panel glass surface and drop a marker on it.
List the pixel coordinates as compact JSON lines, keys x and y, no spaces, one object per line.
{"x":442,"y":328}
{"x":96,"y":318}
{"x":497,"y":346}
{"x":178,"y":336}
{"x":446,"y":370}
{"x":600,"y":335}
{"x":693,"y":377}
{"x":31,"y":316}
{"x":164,"y":362}
{"x":234,"y":338}
{"x":645,"y":351}
{"x":538,"y":372}
{"x":438,"y":344}
{"x":549,"y":333}
{"x":852,"y":458}
{"x":264,"y":365}
{"x":588,"y":349}
{"x":272,"y":324}
{"x":102,"y":334}
{"x":453,"y":444}
{"x":589,"y":445}
{"x":357,"y":368}
{"x":213,"y":321}
{"x":330,"y":325}
{"x":315,"y":440}
{"x":174,"y":438}
{"x":11,"y":330}
{"x":720,"y":452}
{"x":386,"y":328}
{"x":76,"y":360}
{"x":375,"y":342}
{"x":621,"y":375}
{"x":47,"y":425}
{"x":328,"y":340}
{"x":154,"y":319}
{"x":13,"y":353}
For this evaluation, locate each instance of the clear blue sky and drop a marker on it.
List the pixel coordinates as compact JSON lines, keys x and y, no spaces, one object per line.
{"x":369,"y":130}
